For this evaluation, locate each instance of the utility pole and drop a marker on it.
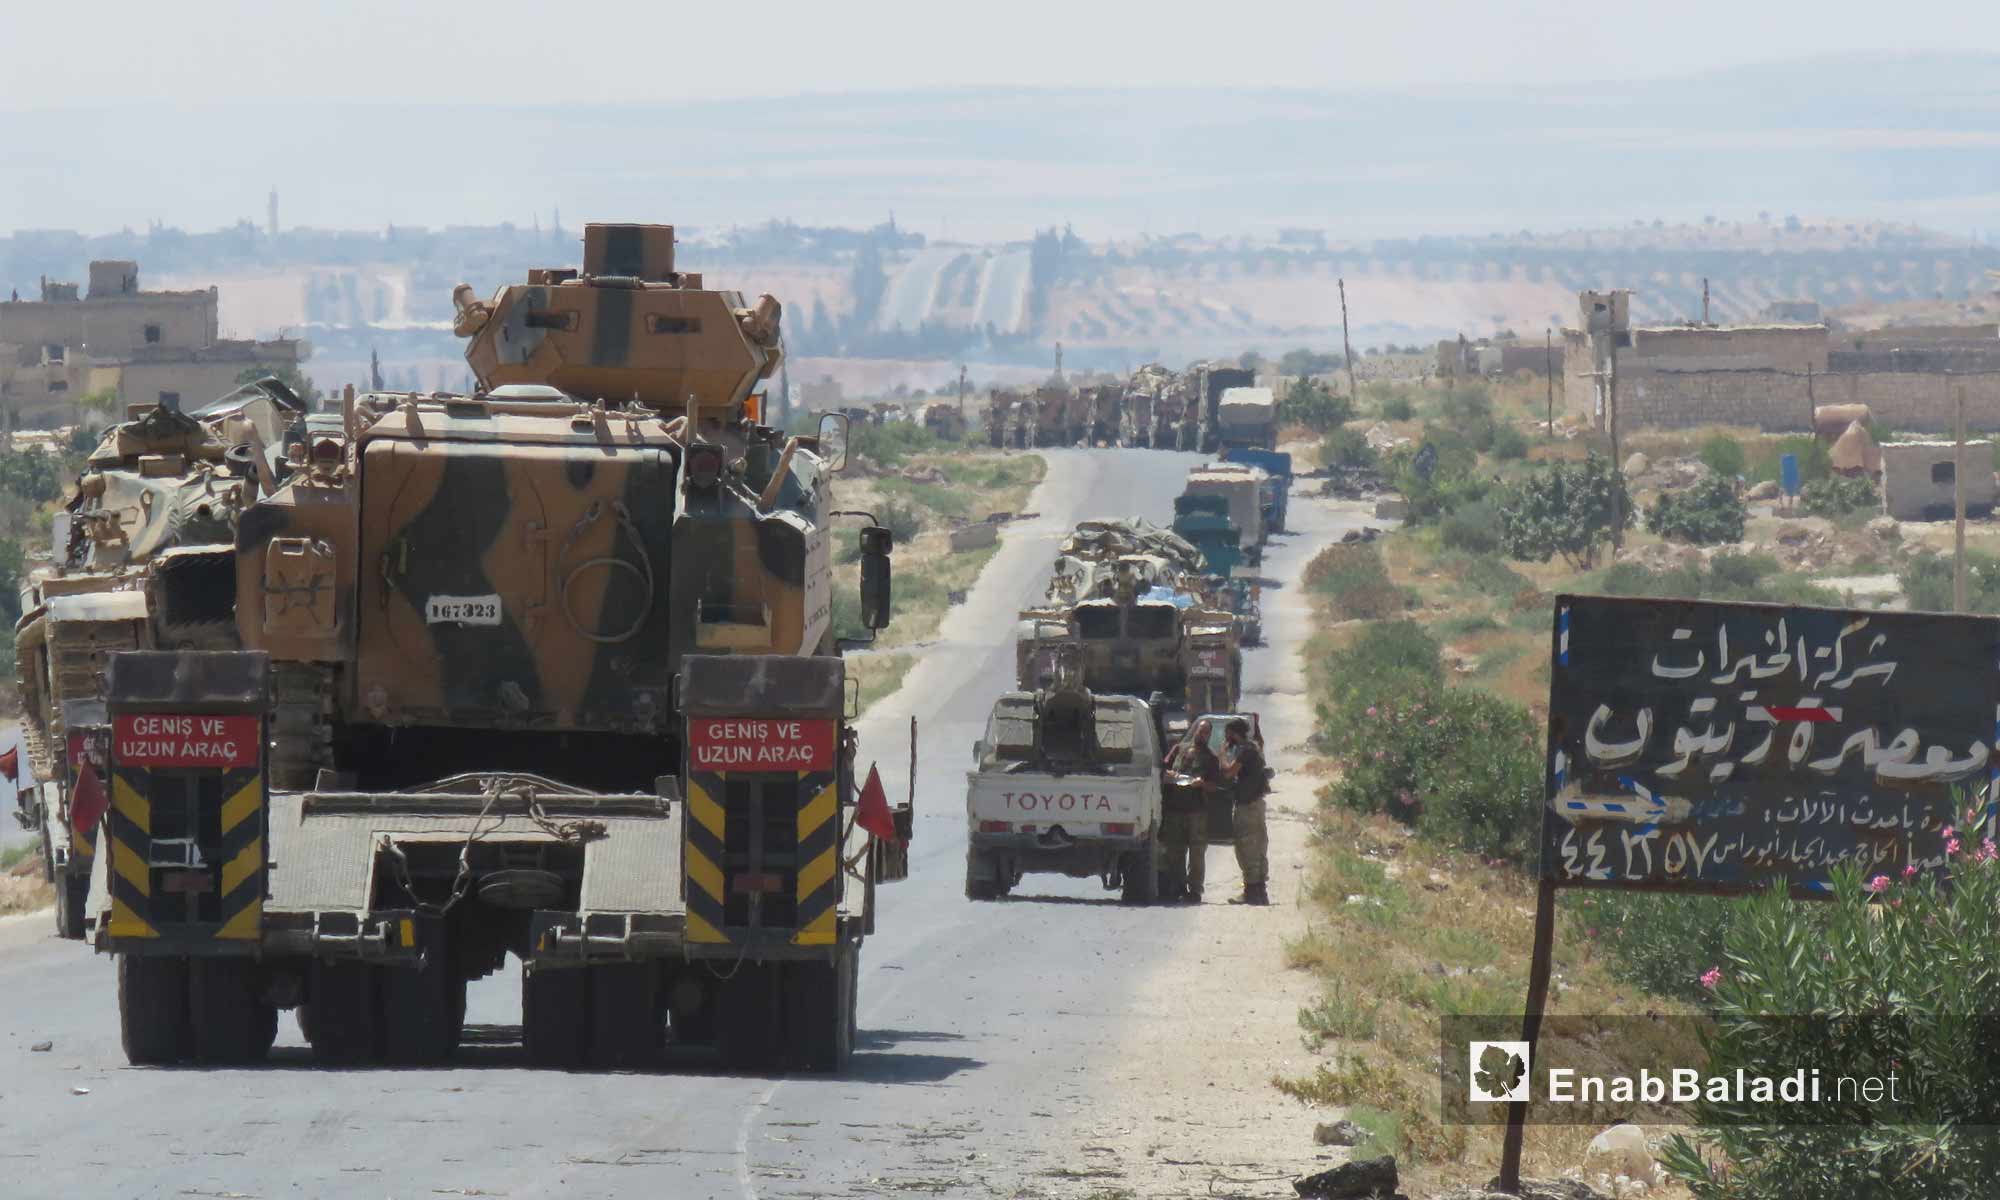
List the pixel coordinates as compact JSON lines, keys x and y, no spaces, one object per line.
{"x":961,"y":391}
{"x":1617,"y":463}
{"x":1958,"y":509}
{"x":1549,"y":368}
{"x":1347,"y":347}
{"x":1704,"y":299}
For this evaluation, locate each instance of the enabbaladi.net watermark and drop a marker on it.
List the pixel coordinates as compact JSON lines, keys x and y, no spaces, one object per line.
{"x":1587,"y":1069}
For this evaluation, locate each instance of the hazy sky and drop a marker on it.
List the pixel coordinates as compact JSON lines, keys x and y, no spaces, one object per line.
{"x":112,"y":51}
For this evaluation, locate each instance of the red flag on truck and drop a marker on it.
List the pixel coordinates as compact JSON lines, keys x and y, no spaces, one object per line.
{"x":10,"y":766}
{"x":872,"y":813}
{"x":87,"y":800}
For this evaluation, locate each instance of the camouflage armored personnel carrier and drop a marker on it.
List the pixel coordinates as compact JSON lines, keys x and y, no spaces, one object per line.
{"x":142,"y":556}
{"x":547,"y":671}
{"x":1062,"y":415}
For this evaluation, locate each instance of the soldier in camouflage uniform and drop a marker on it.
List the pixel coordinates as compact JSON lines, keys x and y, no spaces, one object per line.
{"x":1192,"y":773}
{"x":1244,"y":769}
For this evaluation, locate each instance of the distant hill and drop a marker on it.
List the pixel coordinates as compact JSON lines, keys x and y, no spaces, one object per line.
{"x":1906,"y":139}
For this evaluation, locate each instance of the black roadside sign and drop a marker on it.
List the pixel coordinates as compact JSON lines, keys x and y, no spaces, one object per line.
{"x":1713,"y":747}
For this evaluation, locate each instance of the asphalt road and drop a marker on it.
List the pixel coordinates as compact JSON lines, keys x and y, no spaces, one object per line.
{"x":985,"y":1028}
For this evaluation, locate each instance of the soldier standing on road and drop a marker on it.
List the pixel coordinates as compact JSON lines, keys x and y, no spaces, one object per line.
{"x":1243,"y":767}
{"x":1194,"y":771}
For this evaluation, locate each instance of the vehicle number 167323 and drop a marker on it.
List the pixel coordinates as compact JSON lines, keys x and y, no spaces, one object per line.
{"x":462,"y":610}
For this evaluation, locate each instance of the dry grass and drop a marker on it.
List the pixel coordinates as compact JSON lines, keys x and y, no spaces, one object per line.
{"x":22,"y":888}
{"x":927,"y":570}
{"x":1405,"y":932}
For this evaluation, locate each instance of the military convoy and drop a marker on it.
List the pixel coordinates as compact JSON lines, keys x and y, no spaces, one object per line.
{"x":370,"y":700}
{"x":1207,"y":408}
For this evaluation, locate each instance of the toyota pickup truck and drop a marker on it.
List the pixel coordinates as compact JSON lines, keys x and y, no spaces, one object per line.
{"x":1068,"y":783}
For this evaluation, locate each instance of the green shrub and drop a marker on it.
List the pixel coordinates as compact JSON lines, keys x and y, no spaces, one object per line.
{"x":1838,"y":495}
{"x":1566,"y":509}
{"x":1461,"y":765}
{"x":1723,"y":455}
{"x":1487,"y":575}
{"x":1396,"y":408}
{"x":1900,"y":983}
{"x":1345,"y":447}
{"x":1509,"y":443}
{"x":1475,"y":528}
{"x":901,"y":519}
{"x":1467,"y":410}
{"x":1659,"y":942}
{"x":1353,"y":576}
{"x":1451,"y":481}
{"x":1727,"y":577}
{"x":1815,"y":461}
{"x":1705,"y":514}
{"x":888,"y":444}
{"x":1314,"y":405}
{"x":1391,"y":658}
{"x":1926,"y":580}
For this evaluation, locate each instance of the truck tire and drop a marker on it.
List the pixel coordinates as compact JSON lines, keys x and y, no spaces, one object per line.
{"x":749,"y":1020}
{"x":422,"y":1011}
{"x":626,"y":1031}
{"x":224,"y":1011}
{"x":818,"y":1025}
{"x":153,"y":1009}
{"x":1141,"y":870}
{"x":72,"y":900}
{"x":342,"y":1024}
{"x":555,"y":1015}
{"x":982,"y":880}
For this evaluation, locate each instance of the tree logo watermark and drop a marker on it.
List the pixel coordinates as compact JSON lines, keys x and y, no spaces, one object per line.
{"x":1498,"y":1072}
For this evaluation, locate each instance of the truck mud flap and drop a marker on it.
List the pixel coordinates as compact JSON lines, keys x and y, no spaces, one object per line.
{"x":188,"y":806}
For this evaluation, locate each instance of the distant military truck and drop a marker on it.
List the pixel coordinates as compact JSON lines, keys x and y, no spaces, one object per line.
{"x":1138,"y":418}
{"x":1242,"y":488}
{"x":1277,"y":467}
{"x":1067,"y":782}
{"x":945,"y":421}
{"x":1010,"y":420}
{"x":1247,"y":419}
{"x":1106,"y":405}
{"x":142,"y":555}
{"x":1210,"y":382}
{"x":1204,"y":520}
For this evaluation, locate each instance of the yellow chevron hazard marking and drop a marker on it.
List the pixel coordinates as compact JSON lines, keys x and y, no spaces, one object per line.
{"x":244,"y":925}
{"x":131,"y":868}
{"x":409,"y":932}
{"x":706,"y":812}
{"x":704,"y":874}
{"x":242,"y":806}
{"x":815,"y":814}
{"x":819,"y":932}
{"x":126,"y":923}
{"x":130,"y":804}
{"x":816,"y":873}
{"x":699,"y":930}
{"x":247,"y":862}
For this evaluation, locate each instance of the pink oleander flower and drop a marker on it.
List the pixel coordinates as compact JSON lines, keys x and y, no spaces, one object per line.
{"x":1951,"y":847}
{"x":1711,"y":977}
{"x":1879,"y":884}
{"x":1949,"y":831}
{"x":1986,"y":852}
{"x":1371,"y":710}
{"x":1378,"y":756}
{"x":1910,"y":872}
